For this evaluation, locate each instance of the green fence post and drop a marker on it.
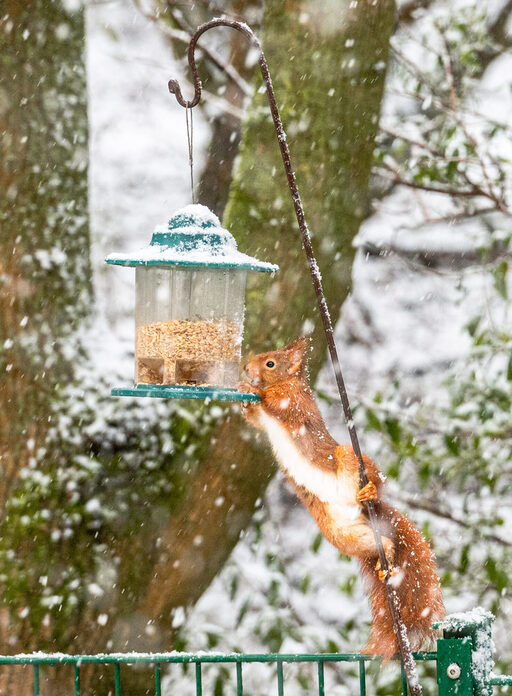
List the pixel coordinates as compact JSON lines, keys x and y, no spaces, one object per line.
{"x":464,"y":654}
{"x":36,"y":680}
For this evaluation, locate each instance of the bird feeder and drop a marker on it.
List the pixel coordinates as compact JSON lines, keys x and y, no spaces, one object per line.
{"x":189,"y":309}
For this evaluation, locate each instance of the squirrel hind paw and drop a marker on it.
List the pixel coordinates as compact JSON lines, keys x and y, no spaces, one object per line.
{"x":389,"y":552}
{"x":391,"y":572}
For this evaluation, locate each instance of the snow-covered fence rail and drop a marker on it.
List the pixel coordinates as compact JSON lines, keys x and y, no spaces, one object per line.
{"x":463,"y":662}
{"x":159,"y":660}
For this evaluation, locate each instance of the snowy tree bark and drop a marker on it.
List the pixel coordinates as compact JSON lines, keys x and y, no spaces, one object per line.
{"x":328,"y":70}
{"x":45,"y":280}
{"x":45,"y":274}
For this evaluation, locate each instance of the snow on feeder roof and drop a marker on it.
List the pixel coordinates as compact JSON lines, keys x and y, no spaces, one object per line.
{"x":193,"y":237}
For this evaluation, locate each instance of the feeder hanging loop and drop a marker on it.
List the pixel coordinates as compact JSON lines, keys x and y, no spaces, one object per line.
{"x":190,"y":144}
{"x":174,"y":88}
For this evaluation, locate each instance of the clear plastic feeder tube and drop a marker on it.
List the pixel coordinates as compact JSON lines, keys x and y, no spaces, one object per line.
{"x":189,"y":325}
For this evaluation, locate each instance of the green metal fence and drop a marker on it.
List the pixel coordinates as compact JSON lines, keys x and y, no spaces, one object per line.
{"x":160,"y":661}
{"x":463,"y":663}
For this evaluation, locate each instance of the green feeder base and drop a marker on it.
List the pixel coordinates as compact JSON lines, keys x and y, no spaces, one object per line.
{"x":173,"y":391}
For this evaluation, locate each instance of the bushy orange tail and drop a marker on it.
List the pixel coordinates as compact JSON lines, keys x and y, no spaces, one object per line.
{"x":416,"y":584}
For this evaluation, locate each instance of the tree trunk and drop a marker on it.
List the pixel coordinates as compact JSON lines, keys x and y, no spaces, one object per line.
{"x":45,"y":286}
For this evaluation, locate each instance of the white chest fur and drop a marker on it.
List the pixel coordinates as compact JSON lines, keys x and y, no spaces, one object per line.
{"x":337,"y":490}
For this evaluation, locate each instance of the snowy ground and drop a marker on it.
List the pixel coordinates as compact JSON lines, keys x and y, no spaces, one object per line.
{"x":399,"y":321}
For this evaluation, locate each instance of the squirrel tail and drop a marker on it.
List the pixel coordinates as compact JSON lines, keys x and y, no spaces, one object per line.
{"x":416,"y":583}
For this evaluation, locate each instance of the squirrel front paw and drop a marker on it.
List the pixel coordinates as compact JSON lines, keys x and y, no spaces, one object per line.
{"x":250,"y":410}
{"x":248,"y":388}
{"x":368,"y":492}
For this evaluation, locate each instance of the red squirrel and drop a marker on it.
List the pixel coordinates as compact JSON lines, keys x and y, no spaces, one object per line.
{"x":326,"y":479}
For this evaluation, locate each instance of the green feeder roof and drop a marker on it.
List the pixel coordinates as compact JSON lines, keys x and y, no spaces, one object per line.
{"x":192,"y":237}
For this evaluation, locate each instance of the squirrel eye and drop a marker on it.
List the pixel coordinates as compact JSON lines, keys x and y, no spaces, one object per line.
{"x":270,"y":363}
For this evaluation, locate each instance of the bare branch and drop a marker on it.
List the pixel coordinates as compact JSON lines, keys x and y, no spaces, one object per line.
{"x":223,"y":104}
{"x":448,"y":71}
{"x":475,"y":191}
{"x":436,"y":155}
{"x":184,"y":37}
{"x":228,"y":68}
{"x":447,"y":191}
{"x":462,"y":215}
{"x":417,"y":143}
{"x":428,"y":506}
{"x":444,"y":262}
{"x":442,"y":107}
{"x":499,"y":201}
{"x":420,"y":76}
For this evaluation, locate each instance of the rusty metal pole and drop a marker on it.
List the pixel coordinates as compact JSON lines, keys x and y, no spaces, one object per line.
{"x":174,"y":88}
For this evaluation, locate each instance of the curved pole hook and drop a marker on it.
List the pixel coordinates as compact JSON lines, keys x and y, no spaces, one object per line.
{"x":174,"y":88}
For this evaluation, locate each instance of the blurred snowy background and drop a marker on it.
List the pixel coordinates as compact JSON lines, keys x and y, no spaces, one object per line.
{"x":424,"y":335}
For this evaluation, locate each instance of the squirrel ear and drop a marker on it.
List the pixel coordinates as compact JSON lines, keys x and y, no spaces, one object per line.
{"x":298,"y":354}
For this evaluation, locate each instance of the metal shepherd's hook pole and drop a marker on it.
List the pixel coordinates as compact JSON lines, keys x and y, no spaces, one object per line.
{"x":174,"y":88}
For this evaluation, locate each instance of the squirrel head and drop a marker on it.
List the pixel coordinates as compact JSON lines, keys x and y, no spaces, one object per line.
{"x":280,"y":365}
